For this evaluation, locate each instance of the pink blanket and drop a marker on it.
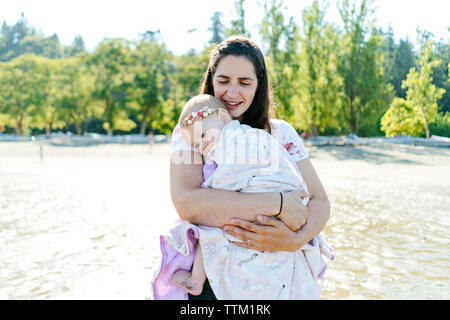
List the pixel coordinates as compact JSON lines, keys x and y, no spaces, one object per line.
{"x":171,"y":261}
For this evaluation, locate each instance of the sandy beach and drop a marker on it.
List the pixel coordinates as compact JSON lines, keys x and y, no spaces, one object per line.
{"x":84,"y":222}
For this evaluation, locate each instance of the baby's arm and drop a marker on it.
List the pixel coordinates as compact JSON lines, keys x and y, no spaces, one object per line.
{"x":193,"y":281}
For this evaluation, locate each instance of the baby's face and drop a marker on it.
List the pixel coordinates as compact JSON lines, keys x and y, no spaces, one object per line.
{"x":203,"y":134}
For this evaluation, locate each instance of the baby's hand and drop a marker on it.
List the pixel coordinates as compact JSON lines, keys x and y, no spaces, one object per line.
{"x":294,"y":213}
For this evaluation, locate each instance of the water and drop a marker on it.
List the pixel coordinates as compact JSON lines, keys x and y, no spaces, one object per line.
{"x":390,"y":223}
{"x":84,"y":222}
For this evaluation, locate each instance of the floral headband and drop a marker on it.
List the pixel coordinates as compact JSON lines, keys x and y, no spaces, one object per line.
{"x":194,"y":116}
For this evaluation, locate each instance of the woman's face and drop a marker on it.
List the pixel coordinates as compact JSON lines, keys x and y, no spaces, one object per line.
{"x":235,"y":84}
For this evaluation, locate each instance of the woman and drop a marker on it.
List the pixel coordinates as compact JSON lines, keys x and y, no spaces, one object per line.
{"x":237,"y":75}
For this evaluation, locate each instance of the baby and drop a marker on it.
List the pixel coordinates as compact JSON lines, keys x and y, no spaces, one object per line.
{"x":208,"y":127}
{"x":241,"y":158}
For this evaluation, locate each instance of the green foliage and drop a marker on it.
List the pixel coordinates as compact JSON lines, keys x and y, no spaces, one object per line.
{"x":440,"y":73}
{"x":21,"y":39}
{"x":217,"y":28}
{"x":404,"y":60}
{"x":190,"y":68}
{"x":76,"y":47}
{"x":238,"y":24}
{"x":111,"y":63}
{"x":421,"y":97}
{"x":150,"y":67}
{"x":45,"y":114}
{"x":441,"y":126}
{"x":398,"y":59}
{"x":24,"y":90}
{"x":166,"y":116}
{"x":400,"y":119}
{"x":319,"y":87}
{"x":422,"y":93}
{"x":75,"y":92}
{"x":367,"y":95}
{"x":282,"y":63}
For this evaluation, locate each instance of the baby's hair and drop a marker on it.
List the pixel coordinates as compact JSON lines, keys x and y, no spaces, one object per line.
{"x":197,"y":103}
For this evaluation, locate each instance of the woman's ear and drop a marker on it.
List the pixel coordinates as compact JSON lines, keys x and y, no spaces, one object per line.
{"x":224,"y":115}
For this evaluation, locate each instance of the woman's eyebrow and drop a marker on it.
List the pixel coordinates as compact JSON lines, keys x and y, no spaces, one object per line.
{"x":227,"y":77}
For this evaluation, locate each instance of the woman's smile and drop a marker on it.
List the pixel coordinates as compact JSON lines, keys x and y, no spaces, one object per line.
{"x":232,"y":105}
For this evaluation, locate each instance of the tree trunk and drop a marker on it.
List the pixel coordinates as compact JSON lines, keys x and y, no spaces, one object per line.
{"x":19,"y":126}
{"x":427,"y":129}
{"x":78,"y":127}
{"x":314,"y":130}
{"x":144,"y":121}
{"x":352,"y":115}
{"x":143,"y":126}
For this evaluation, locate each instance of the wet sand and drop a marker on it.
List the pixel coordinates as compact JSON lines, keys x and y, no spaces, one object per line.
{"x":84,"y":222}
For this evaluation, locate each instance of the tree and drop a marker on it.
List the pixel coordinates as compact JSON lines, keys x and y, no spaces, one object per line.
{"x":24,"y":83}
{"x":367,"y":95}
{"x":11,"y":37}
{"x":184,"y":81}
{"x":110,"y":64}
{"x":420,"y":108}
{"x":404,"y":60}
{"x":422,"y":94}
{"x":21,"y":39}
{"x":150,"y":68}
{"x":76,"y":47}
{"x":238,"y":24}
{"x":440,"y":73}
{"x":374,"y":93}
{"x":47,"y":115}
{"x":217,"y":28}
{"x":388,"y":48}
{"x":319,"y":86}
{"x":53,"y":47}
{"x":75,"y":92}
{"x":280,"y":46}
{"x":189,"y":72}
{"x":400,"y":119}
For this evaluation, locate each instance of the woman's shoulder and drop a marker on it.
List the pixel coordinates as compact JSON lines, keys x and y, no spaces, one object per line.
{"x":288,"y":137}
{"x":277,"y":122}
{"x":282,"y":127}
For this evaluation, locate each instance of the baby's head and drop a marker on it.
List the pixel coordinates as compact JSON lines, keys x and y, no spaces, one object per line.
{"x":202,"y":120}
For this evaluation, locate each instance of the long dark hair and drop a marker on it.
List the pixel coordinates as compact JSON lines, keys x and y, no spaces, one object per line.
{"x":261,"y":109}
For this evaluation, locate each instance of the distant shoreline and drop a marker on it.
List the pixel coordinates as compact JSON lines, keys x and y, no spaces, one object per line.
{"x":62,"y":139}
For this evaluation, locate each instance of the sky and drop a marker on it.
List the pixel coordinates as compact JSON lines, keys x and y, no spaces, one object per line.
{"x":96,"y":19}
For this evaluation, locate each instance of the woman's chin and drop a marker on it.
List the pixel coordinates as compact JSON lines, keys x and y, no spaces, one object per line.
{"x":235,"y":113}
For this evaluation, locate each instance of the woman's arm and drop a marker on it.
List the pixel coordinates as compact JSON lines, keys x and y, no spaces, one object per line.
{"x":214,"y":207}
{"x":318,"y":205}
{"x":275,"y":235}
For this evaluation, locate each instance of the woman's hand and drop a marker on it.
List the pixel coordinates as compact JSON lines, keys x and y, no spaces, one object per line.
{"x":294,"y":213}
{"x":271,"y":235}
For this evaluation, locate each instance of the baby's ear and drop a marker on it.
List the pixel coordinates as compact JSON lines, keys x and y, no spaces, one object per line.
{"x":224,"y":115}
